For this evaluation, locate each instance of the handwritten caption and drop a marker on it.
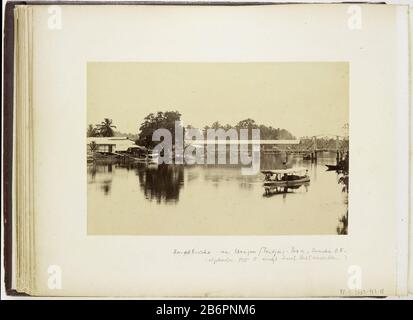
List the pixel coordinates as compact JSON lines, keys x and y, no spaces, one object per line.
{"x":263,"y":254}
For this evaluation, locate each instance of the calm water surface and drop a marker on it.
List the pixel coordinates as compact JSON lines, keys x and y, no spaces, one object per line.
{"x":212,"y":200}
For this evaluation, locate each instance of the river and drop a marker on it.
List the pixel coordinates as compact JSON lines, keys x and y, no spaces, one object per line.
{"x":132,"y":199}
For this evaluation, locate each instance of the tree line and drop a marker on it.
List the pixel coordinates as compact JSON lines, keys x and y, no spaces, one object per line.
{"x":167,"y":119}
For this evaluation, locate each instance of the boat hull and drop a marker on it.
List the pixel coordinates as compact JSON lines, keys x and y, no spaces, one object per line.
{"x":334,"y":167}
{"x":288,"y":183}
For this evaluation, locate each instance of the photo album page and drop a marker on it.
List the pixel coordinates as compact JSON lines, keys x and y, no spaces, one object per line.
{"x":219,"y":151}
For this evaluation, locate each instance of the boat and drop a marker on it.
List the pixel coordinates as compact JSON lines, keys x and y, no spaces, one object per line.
{"x":152,"y":158}
{"x":288,"y":178}
{"x":138,"y":154}
{"x":333,"y":167}
{"x":341,"y":166}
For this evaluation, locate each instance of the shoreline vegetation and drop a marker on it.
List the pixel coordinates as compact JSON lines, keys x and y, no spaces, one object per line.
{"x":103,"y":137}
{"x":167,"y":121}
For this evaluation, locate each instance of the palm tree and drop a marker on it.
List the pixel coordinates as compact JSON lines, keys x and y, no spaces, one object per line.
{"x":92,"y":131}
{"x":105,"y":128}
{"x":247,"y":124}
{"x":93,"y":147}
{"x":216,"y":125}
{"x":227,"y":127}
{"x":205,"y":130}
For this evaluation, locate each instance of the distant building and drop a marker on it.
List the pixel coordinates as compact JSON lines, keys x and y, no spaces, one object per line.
{"x":110,"y":144}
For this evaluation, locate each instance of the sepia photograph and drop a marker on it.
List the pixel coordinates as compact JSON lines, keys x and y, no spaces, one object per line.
{"x":217,"y":148}
{"x":202,"y":152}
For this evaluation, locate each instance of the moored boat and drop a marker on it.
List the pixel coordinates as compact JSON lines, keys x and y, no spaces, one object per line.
{"x":337,"y":167}
{"x":333,"y":167}
{"x":341,"y":165}
{"x":152,"y":158}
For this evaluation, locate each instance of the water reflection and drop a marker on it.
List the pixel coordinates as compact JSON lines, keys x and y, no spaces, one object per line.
{"x":284,"y":190}
{"x":106,"y":185}
{"x":101,"y":175}
{"x":162,"y":183}
{"x":206,"y":196}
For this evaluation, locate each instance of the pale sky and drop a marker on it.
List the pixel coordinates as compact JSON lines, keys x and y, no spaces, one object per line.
{"x":306,"y":98}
